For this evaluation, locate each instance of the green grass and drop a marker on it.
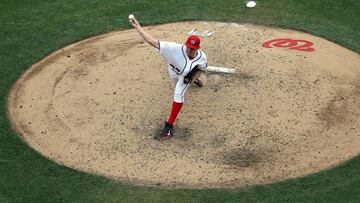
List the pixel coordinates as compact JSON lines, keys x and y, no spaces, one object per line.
{"x":30,"y":30}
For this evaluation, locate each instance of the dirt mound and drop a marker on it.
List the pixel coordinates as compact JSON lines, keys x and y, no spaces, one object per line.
{"x":290,"y":109}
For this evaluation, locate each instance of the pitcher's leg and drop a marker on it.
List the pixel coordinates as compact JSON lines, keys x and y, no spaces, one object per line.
{"x":180,"y":90}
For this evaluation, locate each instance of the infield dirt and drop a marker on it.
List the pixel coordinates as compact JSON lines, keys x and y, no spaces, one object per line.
{"x":96,"y":106}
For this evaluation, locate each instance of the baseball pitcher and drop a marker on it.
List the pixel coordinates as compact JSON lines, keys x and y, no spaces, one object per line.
{"x":185,"y":64}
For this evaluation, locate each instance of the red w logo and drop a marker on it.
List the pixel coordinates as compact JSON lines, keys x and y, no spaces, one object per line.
{"x":300,"y":45}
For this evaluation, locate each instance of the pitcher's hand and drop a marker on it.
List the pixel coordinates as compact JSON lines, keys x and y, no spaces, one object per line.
{"x":134,"y":22}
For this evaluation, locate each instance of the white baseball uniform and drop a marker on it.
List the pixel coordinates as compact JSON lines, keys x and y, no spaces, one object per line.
{"x":179,"y":65}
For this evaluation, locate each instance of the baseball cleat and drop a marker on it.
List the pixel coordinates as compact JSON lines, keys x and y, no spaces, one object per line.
{"x":198,"y":82}
{"x":167,"y":132}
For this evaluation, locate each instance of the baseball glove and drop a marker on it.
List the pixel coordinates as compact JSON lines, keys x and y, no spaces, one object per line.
{"x":190,"y":76}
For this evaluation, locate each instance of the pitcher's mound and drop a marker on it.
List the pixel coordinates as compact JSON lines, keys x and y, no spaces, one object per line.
{"x":291,"y":108}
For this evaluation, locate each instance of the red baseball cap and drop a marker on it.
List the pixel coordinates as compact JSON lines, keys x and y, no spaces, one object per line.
{"x":193,"y":42}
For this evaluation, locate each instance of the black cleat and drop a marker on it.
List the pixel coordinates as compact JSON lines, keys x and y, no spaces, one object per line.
{"x":167,"y":132}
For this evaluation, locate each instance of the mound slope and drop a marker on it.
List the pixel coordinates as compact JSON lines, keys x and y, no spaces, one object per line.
{"x":96,"y":106}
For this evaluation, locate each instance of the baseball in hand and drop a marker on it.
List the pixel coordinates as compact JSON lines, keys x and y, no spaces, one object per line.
{"x":131,"y":16}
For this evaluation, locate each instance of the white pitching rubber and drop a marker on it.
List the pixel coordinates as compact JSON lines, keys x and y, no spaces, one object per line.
{"x":220,"y":69}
